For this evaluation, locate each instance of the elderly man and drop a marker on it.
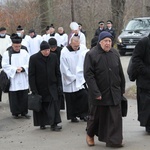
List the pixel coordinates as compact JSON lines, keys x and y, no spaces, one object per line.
{"x":104,"y":76}
{"x":71,"y":66}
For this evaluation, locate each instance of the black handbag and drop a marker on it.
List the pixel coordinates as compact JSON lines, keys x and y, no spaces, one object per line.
{"x":4,"y":82}
{"x":34,"y":102}
{"x":124,"y":106}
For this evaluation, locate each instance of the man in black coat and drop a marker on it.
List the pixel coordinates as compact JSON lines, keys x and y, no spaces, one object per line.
{"x":100,"y":28}
{"x":110,"y":29}
{"x":45,"y":79}
{"x":57,"y":50}
{"x":141,"y":67}
{"x":105,"y":79}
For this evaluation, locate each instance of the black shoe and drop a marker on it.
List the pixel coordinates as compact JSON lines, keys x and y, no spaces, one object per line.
{"x":42,"y":127}
{"x":16,"y":116}
{"x":26,"y":116}
{"x":147,"y":128}
{"x":56,"y":128}
{"x":74,"y":120}
{"x":84,"y":118}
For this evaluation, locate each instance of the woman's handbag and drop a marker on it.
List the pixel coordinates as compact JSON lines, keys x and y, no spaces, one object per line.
{"x":124,"y":106}
{"x":34,"y":102}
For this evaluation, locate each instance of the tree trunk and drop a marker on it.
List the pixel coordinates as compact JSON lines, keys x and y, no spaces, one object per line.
{"x":118,"y":7}
{"x":72,"y":10}
{"x":44,"y":14}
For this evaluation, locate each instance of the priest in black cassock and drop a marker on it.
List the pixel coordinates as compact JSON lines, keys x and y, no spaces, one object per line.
{"x":45,"y":79}
{"x":57,"y":50}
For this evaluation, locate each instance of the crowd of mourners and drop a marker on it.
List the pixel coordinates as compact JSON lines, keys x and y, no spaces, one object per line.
{"x":87,"y":83}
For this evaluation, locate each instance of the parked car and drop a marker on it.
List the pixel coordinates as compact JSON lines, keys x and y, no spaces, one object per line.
{"x":136,"y":29}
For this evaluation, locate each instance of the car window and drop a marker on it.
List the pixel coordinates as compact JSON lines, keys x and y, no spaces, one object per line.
{"x":138,"y":24}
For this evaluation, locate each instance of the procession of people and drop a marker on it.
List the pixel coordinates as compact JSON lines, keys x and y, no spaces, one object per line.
{"x":88,"y":83}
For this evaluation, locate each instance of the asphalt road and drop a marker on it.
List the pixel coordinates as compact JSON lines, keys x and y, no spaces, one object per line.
{"x":20,"y":134}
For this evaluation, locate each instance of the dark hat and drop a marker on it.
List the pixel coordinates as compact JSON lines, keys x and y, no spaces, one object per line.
{"x":52,"y":26}
{"x":19,"y":28}
{"x":15,"y":38}
{"x":94,"y":41}
{"x":2,"y":29}
{"x":101,"y":22}
{"x":109,"y":22}
{"x":31,"y":30}
{"x":44,"y":45}
{"x":103,"y":35}
{"x":52,"y":42}
{"x":47,"y":28}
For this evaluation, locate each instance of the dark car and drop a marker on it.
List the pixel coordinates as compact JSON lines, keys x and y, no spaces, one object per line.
{"x":136,"y":29}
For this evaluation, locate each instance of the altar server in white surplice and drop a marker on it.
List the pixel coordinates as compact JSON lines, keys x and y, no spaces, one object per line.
{"x":17,"y":70}
{"x":71,"y":66}
{"x":34,"y":42}
{"x":63,"y":37}
{"x":25,"y":38}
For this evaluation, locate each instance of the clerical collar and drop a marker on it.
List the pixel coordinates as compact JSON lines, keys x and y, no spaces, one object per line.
{"x":13,"y":51}
{"x":61,"y":34}
{"x":76,"y":34}
{"x":34,"y":36}
{"x":53,"y":34}
{"x":71,"y":49}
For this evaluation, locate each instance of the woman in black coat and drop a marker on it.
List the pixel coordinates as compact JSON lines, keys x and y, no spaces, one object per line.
{"x":45,"y":79}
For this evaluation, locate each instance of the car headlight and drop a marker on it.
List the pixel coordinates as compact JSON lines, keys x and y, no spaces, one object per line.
{"x":119,"y":40}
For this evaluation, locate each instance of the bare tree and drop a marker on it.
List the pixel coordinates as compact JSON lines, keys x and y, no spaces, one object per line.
{"x":44,"y":13}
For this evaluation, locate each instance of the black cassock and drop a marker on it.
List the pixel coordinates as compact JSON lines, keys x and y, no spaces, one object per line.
{"x":77,"y":104}
{"x":49,"y":114}
{"x":45,"y":79}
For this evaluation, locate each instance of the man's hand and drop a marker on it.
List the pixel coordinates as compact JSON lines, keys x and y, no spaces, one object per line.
{"x":99,"y":98}
{"x":19,"y":69}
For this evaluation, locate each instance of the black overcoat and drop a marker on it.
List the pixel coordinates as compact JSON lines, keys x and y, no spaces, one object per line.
{"x":104,"y":76}
{"x":141,"y":63}
{"x":44,"y":75}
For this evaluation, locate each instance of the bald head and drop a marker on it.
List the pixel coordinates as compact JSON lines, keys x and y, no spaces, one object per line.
{"x":75,"y":39}
{"x":75,"y":43}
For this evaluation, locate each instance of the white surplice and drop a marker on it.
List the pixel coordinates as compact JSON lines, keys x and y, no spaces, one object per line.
{"x":19,"y":81}
{"x":71,"y":67}
{"x":34,"y":44}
